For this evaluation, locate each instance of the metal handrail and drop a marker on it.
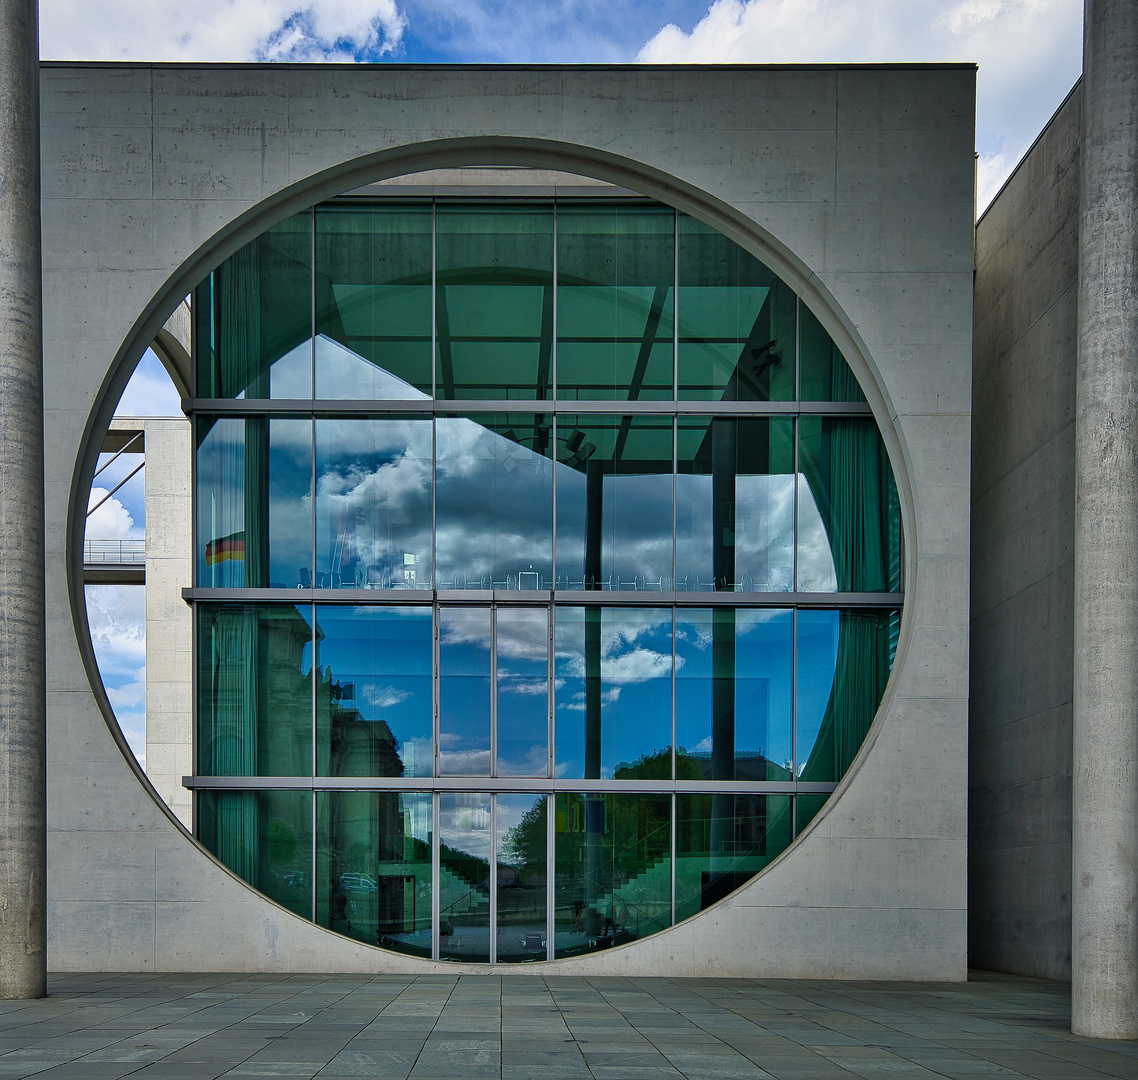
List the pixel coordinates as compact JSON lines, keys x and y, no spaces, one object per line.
{"x":114,"y":552}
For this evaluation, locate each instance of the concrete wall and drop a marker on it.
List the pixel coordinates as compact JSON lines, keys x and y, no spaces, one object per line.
{"x":857,"y":186}
{"x":1023,"y":504}
{"x":169,"y":621}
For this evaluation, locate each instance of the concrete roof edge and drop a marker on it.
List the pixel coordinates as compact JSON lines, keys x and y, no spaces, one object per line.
{"x":255,"y":66}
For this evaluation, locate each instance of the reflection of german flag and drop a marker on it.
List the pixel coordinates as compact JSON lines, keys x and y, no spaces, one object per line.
{"x":225,"y":547}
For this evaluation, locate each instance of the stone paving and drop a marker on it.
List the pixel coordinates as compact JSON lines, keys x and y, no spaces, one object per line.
{"x":199,"y":1027}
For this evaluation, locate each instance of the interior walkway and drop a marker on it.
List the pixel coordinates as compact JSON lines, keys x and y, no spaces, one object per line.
{"x":199,"y":1027}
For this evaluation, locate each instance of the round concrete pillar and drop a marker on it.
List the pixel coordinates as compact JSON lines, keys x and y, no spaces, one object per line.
{"x":23,"y":857}
{"x":1104,"y":930}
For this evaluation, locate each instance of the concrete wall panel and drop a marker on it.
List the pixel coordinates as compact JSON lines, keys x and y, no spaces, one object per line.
{"x":860,"y":183}
{"x":1023,"y":554}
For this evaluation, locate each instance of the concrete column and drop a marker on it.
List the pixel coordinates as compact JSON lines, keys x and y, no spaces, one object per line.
{"x":23,"y":833}
{"x":1104,"y":938}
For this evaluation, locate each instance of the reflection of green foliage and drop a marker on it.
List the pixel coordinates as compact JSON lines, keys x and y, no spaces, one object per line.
{"x":637,"y":835}
{"x":654,"y":766}
{"x":524,"y":844}
{"x":282,"y":844}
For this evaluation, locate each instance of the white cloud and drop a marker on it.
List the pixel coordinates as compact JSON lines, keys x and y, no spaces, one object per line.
{"x":1029,"y":52}
{"x":111,"y":521}
{"x":220,"y":30}
{"x":116,"y":615}
{"x":384,"y":697}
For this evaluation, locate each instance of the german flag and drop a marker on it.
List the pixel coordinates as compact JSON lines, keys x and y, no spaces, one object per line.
{"x":225,"y":547}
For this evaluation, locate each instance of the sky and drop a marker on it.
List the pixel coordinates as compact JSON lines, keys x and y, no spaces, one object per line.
{"x":1028,"y":51}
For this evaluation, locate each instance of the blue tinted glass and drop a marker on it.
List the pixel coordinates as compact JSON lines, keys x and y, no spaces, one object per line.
{"x":494,"y":503}
{"x":614,"y":693}
{"x":614,"y":503}
{"x":733,"y":693}
{"x":373,"y":504}
{"x":464,"y":691}
{"x":465,"y":851}
{"x":817,"y":657}
{"x":373,"y":698}
{"x":522,"y":642}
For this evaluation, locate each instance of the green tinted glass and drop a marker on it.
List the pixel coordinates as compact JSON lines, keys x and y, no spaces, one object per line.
{"x":254,"y":690}
{"x":254,"y":318}
{"x":373,"y":867}
{"x":494,"y":302}
{"x":736,"y":322}
{"x":373,"y":302}
{"x":615,"y":275}
{"x":265,"y":838}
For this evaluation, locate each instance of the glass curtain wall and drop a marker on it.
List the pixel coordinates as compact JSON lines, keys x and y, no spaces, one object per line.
{"x":547,"y":571}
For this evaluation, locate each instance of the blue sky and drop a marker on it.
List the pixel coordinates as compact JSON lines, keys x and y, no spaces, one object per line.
{"x":1029,"y":51}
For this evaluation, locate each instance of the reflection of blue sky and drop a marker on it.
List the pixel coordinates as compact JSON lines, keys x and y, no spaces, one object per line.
{"x":464,"y":691}
{"x":817,"y":658}
{"x":386,"y":653}
{"x":763,"y":657}
{"x":636,"y":687}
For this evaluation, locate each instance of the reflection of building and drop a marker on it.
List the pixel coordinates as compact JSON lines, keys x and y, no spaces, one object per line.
{"x":655,"y":437}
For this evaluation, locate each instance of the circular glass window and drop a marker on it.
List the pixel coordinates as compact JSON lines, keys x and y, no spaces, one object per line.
{"x":547,"y":570}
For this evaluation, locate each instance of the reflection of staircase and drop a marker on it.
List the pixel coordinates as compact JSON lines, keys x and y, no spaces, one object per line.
{"x":458,"y":896}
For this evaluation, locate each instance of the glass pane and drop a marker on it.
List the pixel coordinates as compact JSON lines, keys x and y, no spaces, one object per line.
{"x":614,"y":693}
{"x":373,"y":867}
{"x":721,"y":841}
{"x":735,"y":505}
{"x":844,"y":660}
{"x":464,"y":876}
{"x":254,"y":690}
{"x":374,"y":705}
{"x":373,"y":503}
{"x":614,"y":503}
{"x":257,"y":339}
{"x":613,"y":870}
{"x":849,"y":520}
{"x":522,"y":875}
{"x":522,"y":641}
{"x":736,"y":322}
{"x":373,"y":302}
{"x":806,"y":809}
{"x":254,"y":504}
{"x":495,"y":502}
{"x":265,"y":838}
{"x":494,"y":314}
{"x":615,"y":275}
{"x":825,"y":375}
{"x":733,"y":694}
{"x":464,"y":691}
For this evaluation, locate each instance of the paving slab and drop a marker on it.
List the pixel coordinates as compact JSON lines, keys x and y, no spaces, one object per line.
{"x":487,"y":1027}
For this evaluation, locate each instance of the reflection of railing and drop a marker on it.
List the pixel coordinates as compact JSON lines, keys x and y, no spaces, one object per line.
{"x":114,"y":552}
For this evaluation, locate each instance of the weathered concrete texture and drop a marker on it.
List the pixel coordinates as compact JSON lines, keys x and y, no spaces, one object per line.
{"x":1104,"y":930}
{"x":855,"y":183}
{"x":1023,"y":521}
{"x":169,"y":621}
{"x":22,"y":785}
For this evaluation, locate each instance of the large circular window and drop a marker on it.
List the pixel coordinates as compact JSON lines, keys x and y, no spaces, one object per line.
{"x":547,"y":570}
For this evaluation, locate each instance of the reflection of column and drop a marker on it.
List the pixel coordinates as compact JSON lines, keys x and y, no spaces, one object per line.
{"x":23,"y":856}
{"x":257,"y":502}
{"x":1104,"y":909}
{"x":724,"y":438}
{"x":594,"y":803}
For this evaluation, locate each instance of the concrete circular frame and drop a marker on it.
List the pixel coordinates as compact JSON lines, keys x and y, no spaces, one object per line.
{"x":463,"y":152}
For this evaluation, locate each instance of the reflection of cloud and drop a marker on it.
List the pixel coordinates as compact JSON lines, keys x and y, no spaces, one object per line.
{"x":465,"y":762}
{"x":384,"y":697}
{"x":637,"y":666}
{"x":816,"y":571}
{"x":577,"y":703}
{"x":512,"y":683}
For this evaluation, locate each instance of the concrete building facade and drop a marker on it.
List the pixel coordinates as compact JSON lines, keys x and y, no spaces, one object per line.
{"x":854,"y":185}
